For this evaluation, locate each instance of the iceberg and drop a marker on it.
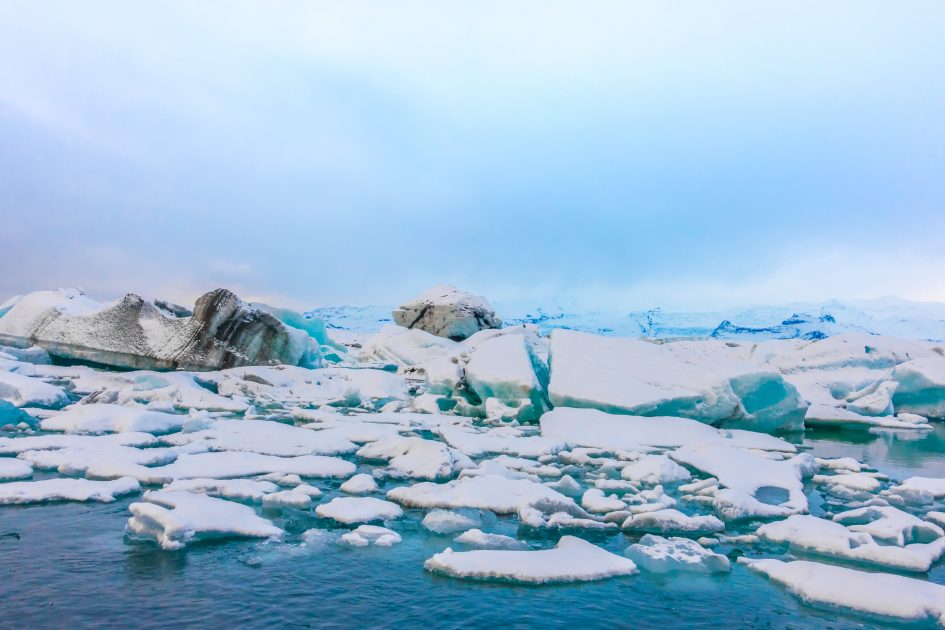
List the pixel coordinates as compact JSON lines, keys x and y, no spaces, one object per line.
{"x":637,"y":377}
{"x":132,"y":333}
{"x":412,"y":457}
{"x":445,"y":311}
{"x":451,"y":521}
{"x":572,"y":560}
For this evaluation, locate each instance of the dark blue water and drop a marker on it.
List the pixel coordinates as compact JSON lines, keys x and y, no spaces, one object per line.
{"x":69,"y":565}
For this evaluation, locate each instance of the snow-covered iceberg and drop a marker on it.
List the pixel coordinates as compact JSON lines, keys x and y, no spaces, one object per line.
{"x":446,"y":311}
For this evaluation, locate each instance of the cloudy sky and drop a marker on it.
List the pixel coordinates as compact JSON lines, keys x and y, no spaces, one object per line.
{"x":686,"y":154}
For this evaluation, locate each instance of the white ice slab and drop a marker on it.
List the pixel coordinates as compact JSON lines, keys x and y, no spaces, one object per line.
{"x":65,"y":490}
{"x":350,"y":510}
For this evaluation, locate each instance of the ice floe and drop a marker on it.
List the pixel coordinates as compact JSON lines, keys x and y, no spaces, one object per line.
{"x":264,"y":437}
{"x":828,"y":538}
{"x":362,"y":483}
{"x":105,"y":418}
{"x":487,"y":492}
{"x":12,"y":469}
{"x":881,"y":594}
{"x":65,"y":489}
{"x":672,"y":521}
{"x":572,"y":560}
{"x":482,"y":540}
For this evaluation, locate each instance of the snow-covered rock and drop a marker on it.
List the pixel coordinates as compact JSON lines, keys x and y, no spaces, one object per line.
{"x":175,"y":519}
{"x":675,"y":555}
{"x":132,"y":333}
{"x":572,"y":560}
{"x":446,"y":311}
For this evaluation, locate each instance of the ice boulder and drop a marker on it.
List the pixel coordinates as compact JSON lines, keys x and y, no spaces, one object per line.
{"x":572,"y":560}
{"x":639,"y":377}
{"x":133,"y":333}
{"x":445,"y":311}
{"x":921,"y":387}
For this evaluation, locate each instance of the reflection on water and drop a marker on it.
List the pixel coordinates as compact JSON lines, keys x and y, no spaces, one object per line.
{"x":70,"y":565}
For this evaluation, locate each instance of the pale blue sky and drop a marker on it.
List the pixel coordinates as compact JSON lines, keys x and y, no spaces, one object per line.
{"x":688,"y":154}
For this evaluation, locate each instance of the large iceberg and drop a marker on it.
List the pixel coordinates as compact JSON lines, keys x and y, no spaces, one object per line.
{"x":638,"y":377}
{"x":132,"y":333}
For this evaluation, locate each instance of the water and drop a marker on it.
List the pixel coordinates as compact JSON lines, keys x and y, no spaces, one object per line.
{"x":71,"y":566}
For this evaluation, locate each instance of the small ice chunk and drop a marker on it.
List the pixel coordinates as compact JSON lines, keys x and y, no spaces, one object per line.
{"x":858,"y":591}
{"x":11,"y":469}
{"x":105,"y":418}
{"x":655,"y":469}
{"x":487,"y":492}
{"x":670,"y":555}
{"x":365,"y":535}
{"x":26,"y":391}
{"x":572,"y":560}
{"x":595,"y":502}
{"x":412,"y":457}
{"x":288,"y":499}
{"x":236,"y":489}
{"x":63,"y":489}
{"x":566,"y":486}
{"x":265,"y":437}
{"x":920,"y":490}
{"x":175,"y":519}
{"x":362,"y":483}
{"x":672,"y":521}
{"x":451,"y":521}
{"x":350,"y":510}
{"x":482,"y":540}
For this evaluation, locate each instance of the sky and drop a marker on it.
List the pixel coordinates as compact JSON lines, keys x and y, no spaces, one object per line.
{"x":616,"y":154}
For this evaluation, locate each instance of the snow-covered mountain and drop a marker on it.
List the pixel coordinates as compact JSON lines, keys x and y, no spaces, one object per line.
{"x":801,"y":320}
